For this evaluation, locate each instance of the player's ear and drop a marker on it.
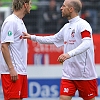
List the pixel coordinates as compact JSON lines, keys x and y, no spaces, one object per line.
{"x":25,"y":5}
{"x":71,"y":9}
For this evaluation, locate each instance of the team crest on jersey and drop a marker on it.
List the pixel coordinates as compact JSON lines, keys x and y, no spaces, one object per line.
{"x":73,"y":32}
{"x":9,"y":33}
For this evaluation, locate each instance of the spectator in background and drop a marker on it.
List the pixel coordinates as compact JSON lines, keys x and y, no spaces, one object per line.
{"x":50,"y":17}
{"x":86,"y":15}
{"x":61,"y":22}
{"x":90,"y":13}
{"x":30,"y":20}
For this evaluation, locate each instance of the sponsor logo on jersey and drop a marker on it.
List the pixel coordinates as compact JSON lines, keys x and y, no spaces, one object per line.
{"x":73,"y":32}
{"x":9,"y":33}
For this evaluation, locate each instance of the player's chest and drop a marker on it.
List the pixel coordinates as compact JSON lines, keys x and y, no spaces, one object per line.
{"x":71,"y":35}
{"x":21,"y":28}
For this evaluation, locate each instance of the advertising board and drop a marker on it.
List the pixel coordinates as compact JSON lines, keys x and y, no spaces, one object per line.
{"x":44,"y":83}
{"x":45,"y":54}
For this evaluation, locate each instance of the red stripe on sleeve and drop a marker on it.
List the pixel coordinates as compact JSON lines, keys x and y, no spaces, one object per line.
{"x":85,"y":34}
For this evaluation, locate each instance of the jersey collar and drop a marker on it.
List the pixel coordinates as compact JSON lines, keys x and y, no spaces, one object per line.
{"x":18,"y":18}
{"x":75,"y":19}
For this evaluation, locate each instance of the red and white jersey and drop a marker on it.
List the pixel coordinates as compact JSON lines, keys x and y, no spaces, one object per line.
{"x":76,"y":36}
{"x":11,"y":31}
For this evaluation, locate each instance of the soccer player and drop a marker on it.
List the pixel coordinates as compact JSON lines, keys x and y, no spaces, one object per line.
{"x":78,"y":71}
{"x":14,"y":52}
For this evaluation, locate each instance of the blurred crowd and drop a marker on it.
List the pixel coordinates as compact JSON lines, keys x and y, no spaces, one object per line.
{"x":91,"y":13}
{"x":45,"y":16}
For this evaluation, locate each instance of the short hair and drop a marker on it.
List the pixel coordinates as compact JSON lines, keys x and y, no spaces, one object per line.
{"x":77,"y":5}
{"x":18,"y":4}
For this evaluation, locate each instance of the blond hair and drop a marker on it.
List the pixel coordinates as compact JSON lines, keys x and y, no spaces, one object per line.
{"x":18,"y":4}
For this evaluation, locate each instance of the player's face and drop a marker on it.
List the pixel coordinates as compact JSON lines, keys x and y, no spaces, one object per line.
{"x":66,"y":11}
{"x":28,"y":7}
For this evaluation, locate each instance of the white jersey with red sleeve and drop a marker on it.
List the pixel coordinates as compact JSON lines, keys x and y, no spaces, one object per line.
{"x":76,"y":36}
{"x":11,"y":31}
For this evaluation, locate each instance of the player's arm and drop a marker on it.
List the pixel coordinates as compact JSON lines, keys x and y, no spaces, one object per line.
{"x":39,"y":39}
{"x":56,"y":39}
{"x":7,"y":58}
{"x":6,"y":54}
{"x":86,"y":43}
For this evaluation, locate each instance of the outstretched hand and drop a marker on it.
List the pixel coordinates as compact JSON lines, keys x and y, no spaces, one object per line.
{"x":26,"y":36}
{"x":63,"y":57}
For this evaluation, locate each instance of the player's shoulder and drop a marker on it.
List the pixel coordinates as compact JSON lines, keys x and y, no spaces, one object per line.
{"x":66,"y":25}
{"x":84,"y":25}
{"x":10,"y":19}
{"x":83,"y":21}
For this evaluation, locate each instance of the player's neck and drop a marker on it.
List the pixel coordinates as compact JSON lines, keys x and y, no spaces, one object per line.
{"x":73,"y":16}
{"x":19,"y":14}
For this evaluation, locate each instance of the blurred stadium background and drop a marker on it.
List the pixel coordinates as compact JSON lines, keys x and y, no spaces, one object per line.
{"x":44,"y":72}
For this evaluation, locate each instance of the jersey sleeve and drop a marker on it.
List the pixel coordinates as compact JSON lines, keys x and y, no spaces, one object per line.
{"x":85,"y":45}
{"x":85,"y":30}
{"x":56,"y":39}
{"x":7,"y":32}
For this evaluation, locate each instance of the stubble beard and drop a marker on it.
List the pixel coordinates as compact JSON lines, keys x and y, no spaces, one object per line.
{"x":68,"y":16}
{"x":27,"y":12}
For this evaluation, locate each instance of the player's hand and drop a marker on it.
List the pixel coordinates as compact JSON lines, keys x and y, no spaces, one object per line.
{"x":63,"y":57}
{"x":13,"y":75}
{"x":26,"y":36}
